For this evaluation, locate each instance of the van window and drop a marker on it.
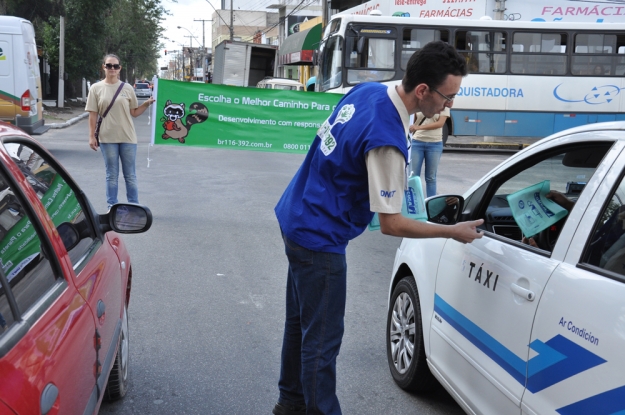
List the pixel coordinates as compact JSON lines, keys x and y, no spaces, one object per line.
{"x":285,"y":87}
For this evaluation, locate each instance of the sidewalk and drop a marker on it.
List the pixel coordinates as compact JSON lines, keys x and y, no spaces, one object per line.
{"x":63,"y":117}
{"x":69,"y":122}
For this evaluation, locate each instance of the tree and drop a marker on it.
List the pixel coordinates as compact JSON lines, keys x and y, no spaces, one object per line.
{"x":132,"y":33}
{"x":127,"y":28}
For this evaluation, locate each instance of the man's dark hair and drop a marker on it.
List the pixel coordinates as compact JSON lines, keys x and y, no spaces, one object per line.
{"x":432,"y":64}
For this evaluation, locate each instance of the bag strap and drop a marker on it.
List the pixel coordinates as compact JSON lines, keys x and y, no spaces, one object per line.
{"x":113,"y":100}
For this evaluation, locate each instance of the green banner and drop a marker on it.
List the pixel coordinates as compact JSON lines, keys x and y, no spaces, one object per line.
{"x":222,"y":116}
{"x":21,"y":244}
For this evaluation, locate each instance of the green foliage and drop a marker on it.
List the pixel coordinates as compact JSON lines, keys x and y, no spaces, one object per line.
{"x":127,"y":28}
{"x":132,"y":33}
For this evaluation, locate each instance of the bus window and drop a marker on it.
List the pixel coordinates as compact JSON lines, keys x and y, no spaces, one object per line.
{"x":485,"y":52}
{"x":539,"y":53}
{"x":333,"y":27}
{"x":598,"y":55}
{"x":415,"y":39}
{"x":374,"y":59}
{"x":331,"y":63}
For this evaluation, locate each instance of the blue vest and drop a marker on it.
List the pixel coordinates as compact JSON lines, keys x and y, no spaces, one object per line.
{"x":327,"y":202}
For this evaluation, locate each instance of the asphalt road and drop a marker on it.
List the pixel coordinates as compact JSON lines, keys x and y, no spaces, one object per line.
{"x":207,"y":303}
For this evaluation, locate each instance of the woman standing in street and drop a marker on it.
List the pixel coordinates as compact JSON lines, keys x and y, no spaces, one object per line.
{"x":427,"y":144}
{"x":116,"y":136}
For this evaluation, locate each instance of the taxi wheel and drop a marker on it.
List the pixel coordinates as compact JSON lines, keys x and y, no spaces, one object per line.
{"x":404,"y":340}
{"x":117,"y":385}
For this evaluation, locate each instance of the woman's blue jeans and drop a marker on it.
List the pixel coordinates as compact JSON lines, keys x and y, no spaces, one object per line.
{"x":313,"y":330}
{"x":431,"y":153}
{"x":127,"y":153}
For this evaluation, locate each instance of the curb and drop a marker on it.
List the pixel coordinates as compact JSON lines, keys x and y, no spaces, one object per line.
{"x":68,"y":122}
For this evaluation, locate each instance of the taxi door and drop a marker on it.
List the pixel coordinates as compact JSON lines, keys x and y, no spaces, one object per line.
{"x":486,"y":297}
{"x":487,"y":292}
{"x":581,"y":317}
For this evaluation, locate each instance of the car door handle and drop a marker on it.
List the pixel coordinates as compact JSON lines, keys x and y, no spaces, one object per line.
{"x":48,"y":398}
{"x":523,"y":292}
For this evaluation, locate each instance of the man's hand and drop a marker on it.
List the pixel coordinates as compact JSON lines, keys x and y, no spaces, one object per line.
{"x":467,"y":232}
{"x":560,"y":199}
{"x":529,"y":241}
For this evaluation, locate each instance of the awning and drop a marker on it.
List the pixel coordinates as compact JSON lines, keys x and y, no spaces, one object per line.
{"x":298,"y":48}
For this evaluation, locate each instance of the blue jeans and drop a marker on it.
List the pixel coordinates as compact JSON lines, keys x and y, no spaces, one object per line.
{"x":112,"y":153}
{"x":313,"y":330}
{"x":431,"y":153}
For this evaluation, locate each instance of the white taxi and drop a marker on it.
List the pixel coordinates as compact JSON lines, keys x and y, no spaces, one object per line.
{"x":512,"y":328}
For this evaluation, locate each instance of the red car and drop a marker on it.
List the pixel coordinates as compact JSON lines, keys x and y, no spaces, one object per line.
{"x":65,"y":279}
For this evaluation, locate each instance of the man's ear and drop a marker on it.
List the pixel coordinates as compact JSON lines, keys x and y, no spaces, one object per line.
{"x":420,"y":91}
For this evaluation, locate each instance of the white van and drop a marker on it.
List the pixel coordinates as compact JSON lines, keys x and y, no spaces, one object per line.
{"x":281,"y":83}
{"x":20,"y":82}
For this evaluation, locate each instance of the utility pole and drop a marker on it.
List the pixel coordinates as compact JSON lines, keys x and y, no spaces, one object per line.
{"x":232,"y":20}
{"x":190,"y":57}
{"x":61,"y":99}
{"x":203,"y":47}
{"x":500,"y":8}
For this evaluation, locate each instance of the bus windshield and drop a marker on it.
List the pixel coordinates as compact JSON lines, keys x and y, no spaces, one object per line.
{"x":330,"y":72}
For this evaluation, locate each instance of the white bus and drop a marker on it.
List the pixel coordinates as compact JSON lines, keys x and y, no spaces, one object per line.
{"x":526,"y":79}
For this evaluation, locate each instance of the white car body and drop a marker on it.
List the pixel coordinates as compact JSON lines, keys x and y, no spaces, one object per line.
{"x":512,"y":329}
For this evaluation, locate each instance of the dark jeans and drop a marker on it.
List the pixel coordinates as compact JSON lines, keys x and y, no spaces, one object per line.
{"x":315,"y":308}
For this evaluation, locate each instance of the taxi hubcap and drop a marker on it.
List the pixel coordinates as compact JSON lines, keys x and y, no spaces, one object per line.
{"x":402,"y":332}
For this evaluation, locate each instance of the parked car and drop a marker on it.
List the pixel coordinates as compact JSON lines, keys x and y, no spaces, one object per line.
{"x":281,"y":83}
{"x":512,"y":328}
{"x":143,"y":90}
{"x":65,"y":280}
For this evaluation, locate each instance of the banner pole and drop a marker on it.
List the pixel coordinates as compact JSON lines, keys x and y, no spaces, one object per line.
{"x":152,"y":114}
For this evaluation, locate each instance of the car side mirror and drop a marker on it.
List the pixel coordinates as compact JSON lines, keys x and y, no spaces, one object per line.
{"x":126,"y":218}
{"x":444,"y":209}
{"x":69,"y":235}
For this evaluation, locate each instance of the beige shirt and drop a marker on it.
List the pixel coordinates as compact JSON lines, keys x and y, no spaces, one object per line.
{"x":118,"y":126}
{"x":386,"y":167}
{"x":430,"y":136}
{"x":386,"y":170}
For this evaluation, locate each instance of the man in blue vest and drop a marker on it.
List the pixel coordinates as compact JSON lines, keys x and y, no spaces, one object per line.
{"x":357,"y":165}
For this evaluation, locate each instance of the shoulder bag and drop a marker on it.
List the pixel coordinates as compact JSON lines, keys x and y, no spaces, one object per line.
{"x":100,"y":118}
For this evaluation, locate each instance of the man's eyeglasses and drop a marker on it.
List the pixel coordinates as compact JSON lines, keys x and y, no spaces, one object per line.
{"x":448,"y":99}
{"x":117,"y":66}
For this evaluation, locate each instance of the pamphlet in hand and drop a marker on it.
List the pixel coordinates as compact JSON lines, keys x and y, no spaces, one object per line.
{"x":533,"y":211}
{"x":413,"y":206}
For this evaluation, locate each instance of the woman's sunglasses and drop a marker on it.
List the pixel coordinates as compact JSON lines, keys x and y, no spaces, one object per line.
{"x":112,"y":65}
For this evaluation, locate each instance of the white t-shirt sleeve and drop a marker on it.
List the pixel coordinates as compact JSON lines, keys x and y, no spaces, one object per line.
{"x":386,"y":171}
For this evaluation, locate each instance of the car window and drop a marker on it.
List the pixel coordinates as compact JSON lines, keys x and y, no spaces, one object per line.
{"x":56,"y":195}
{"x":142,"y":86}
{"x":26,"y":272}
{"x":606,"y":248}
{"x":285,"y":87}
{"x":567,"y":171}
